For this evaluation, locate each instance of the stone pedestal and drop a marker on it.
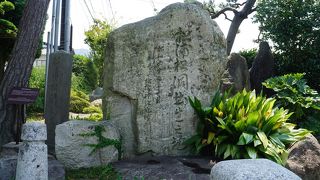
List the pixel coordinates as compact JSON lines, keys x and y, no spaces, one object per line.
{"x":33,"y":158}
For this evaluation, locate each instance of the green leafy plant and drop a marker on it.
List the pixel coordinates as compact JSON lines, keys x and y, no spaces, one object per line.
{"x":86,"y":71}
{"x":78,"y":101}
{"x":102,"y":141}
{"x":92,"y":109}
{"x":249,"y":54}
{"x":244,"y":126}
{"x":37,"y":80}
{"x":293,"y":93}
{"x":102,"y":173}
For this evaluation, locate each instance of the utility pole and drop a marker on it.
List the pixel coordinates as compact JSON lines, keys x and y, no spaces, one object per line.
{"x":54,"y":3}
{"x":67,"y":34}
{"x":65,"y":26}
{"x":57,"y":23}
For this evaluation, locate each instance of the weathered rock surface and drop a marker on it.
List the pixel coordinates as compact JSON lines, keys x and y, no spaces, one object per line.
{"x":304,"y":158}
{"x":58,"y":93}
{"x":96,"y":94}
{"x":164,"y":167}
{"x":253,"y":169}
{"x":151,"y":68}
{"x":96,"y":103}
{"x":8,"y":166}
{"x":71,"y":149}
{"x":236,"y":75}
{"x":262,"y":68}
{"x":33,"y":152}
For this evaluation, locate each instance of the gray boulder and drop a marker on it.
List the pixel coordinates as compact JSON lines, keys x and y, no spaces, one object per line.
{"x":151,"y":68}
{"x":96,"y":94}
{"x":304,"y":158}
{"x":236,"y":75}
{"x":71,"y":149}
{"x":253,"y":169}
{"x":8,"y":164}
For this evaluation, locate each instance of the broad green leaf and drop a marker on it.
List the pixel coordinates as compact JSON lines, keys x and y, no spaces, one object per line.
{"x":252,"y":152}
{"x":245,"y":138}
{"x":210,"y":137}
{"x":263,"y":138}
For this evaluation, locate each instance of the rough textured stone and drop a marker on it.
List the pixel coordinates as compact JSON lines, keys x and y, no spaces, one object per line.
{"x":70,"y":145}
{"x":253,"y":169}
{"x":151,"y":68}
{"x":262,"y":68}
{"x":164,"y":167}
{"x":304,"y":158}
{"x":58,"y":93}
{"x":33,"y":153}
{"x":8,"y":164}
{"x":96,"y":103}
{"x":96,"y":94}
{"x":236,"y":75}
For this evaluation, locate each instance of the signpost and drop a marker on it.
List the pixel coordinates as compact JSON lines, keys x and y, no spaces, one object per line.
{"x":19,"y":96}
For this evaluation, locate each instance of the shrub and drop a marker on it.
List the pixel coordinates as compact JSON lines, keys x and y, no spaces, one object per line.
{"x":37,"y":80}
{"x":92,"y":109}
{"x":87,"y":72}
{"x":249,"y":54}
{"x":78,"y":101}
{"x":244,"y":126}
{"x":293,"y":93}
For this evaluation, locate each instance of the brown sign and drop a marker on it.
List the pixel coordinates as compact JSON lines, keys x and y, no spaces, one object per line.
{"x":23,"y":95}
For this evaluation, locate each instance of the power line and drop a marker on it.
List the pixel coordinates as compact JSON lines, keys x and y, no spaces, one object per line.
{"x":92,"y":7}
{"x":111,"y":10}
{"x":83,"y":8}
{"x":88,"y":10}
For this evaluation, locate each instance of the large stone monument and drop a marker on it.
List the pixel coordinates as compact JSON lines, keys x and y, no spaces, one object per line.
{"x":58,"y":93}
{"x":152,"y":67}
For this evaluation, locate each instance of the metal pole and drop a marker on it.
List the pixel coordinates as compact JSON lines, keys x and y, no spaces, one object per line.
{"x":57,"y":23}
{"x":54,"y":2}
{"x":67,"y":27}
{"x":47,"y":65}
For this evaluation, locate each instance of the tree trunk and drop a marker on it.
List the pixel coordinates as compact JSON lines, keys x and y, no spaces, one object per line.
{"x":21,"y":60}
{"x":236,"y":22}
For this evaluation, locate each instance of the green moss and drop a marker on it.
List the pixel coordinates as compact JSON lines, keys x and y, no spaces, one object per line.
{"x":102,"y":173}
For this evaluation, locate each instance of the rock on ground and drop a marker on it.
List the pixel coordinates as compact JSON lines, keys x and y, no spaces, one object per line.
{"x":164,"y":167}
{"x":236,"y":75}
{"x":8,"y":164}
{"x":262,"y":68}
{"x":152,"y":67}
{"x":253,"y":169}
{"x":71,"y":149}
{"x":304,"y":158}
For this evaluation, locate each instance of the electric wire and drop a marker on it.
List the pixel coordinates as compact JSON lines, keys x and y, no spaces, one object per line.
{"x":111,"y":10}
{"x":85,"y":2}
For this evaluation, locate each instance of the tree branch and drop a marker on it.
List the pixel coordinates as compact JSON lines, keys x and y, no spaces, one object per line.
{"x":215,"y":15}
{"x":226,"y":17}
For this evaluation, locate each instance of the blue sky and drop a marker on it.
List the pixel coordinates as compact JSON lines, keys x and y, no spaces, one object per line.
{"x":127,"y":11}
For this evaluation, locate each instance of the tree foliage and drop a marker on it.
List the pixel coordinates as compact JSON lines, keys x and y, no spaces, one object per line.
{"x":85,"y":69}
{"x":10,"y":15}
{"x":96,"y":38}
{"x":7,"y":28}
{"x":294,"y":27}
